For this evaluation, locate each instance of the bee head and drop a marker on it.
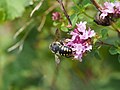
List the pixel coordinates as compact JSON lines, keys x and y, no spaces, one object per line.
{"x":54,"y":47}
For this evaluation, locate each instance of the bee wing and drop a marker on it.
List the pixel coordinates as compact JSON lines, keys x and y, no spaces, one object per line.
{"x":57,"y":35}
{"x":57,"y":59}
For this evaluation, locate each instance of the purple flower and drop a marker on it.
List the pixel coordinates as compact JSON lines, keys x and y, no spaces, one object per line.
{"x":55,"y":16}
{"x":80,"y":41}
{"x":117,"y":7}
{"x":107,"y":9}
{"x":110,"y":8}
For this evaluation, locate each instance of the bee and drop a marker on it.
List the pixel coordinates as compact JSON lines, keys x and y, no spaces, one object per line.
{"x":59,"y":49}
{"x":104,"y":22}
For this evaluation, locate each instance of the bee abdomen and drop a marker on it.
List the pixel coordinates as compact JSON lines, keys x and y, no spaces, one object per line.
{"x":65,"y":51}
{"x":60,"y":49}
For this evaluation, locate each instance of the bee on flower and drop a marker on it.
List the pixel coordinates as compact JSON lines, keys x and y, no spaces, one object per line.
{"x":110,"y":8}
{"x":80,"y":41}
{"x":108,"y":13}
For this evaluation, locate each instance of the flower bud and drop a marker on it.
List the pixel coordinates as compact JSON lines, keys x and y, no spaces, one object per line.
{"x":55,"y":16}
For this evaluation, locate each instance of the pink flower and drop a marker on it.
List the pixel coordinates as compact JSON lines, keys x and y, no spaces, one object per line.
{"x":78,"y":48}
{"x":80,"y":40}
{"x":81,"y":26}
{"x":110,"y":8}
{"x":107,"y":9}
{"x":117,"y":7}
{"x":91,"y":33}
{"x":55,"y":16}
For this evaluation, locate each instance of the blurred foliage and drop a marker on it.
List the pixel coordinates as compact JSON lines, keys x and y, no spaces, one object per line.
{"x":11,"y":9}
{"x":34,"y":67}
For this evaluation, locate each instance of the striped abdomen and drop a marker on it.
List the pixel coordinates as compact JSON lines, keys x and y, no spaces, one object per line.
{"x":65,"y":51}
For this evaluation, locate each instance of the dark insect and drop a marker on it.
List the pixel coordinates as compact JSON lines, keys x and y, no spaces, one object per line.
{"x":104,"y":22}
{"x":59,"y":49}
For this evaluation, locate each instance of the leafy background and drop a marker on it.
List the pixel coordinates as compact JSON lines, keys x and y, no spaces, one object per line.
{"x":34,"y":67}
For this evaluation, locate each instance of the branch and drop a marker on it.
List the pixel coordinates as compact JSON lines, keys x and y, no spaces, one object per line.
{"x":42,"y":23}
{"x":103,"y":43}
{"x":64,"y":11}
{"x":22,"y":28}
{"x":36,"y":8}
{"x":44,"y":16}
{"x":54,"y":79}
{"x":96,"y":4}
{"x":20,"y":43}
{"x":115,"y":28}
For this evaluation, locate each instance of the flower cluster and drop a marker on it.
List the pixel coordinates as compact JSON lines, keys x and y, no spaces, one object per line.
{"x":55,"y":16}
{"x":80,"y":41}
{"x":112,"y":9}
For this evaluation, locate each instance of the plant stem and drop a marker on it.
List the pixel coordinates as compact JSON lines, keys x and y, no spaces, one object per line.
{"x":36,"y":8}
{"x":115,"y":28}
{"x":22,"y":28}
{"x":103,"y":43}
{"x":53,"y":84}
{"x":44,"y":16}
{"x":64,"y":11}
{"x":96,"y":4}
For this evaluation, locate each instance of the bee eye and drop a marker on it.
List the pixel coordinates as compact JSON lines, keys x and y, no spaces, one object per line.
{"x":54,"y":44}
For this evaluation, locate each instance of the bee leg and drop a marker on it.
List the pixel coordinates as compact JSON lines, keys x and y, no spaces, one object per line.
{"x":57,"y":59}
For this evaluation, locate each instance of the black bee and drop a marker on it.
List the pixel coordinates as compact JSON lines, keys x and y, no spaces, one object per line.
{"x":59,"y":49}
{"x":104,"y":22}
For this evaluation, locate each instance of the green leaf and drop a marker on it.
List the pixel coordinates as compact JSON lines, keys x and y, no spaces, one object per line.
{"x":74,"y":19}
{"x":2,"y":15}
{"x":97,"y":55}
{"x":56,"y":23}
{"x":75,"y":1}
{"x":112,"y":0}
{"x":85,"y":2}
{"x":64,"y":29}
{"x":13,"y":8}
{"x":118,"y":50}
{"x":113,"y":50}
{"x":104,"y":33}
{"x":76,"y":8}
{"x":119,"y":58}
{"x":85,"y":6}
{"x":117,"y":43}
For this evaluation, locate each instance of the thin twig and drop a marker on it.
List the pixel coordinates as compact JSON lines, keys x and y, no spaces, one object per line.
{"x":14,"y":46}
{"x":50,"y":9}
{"x":64,"y":11}
{"x":42,"y":23}
{"x":53,"y":86}
{"x":36,"y":8}
{"x":22,"y":28}
{"x":44,"y":16}
{"x":20,"y":43}
{"x":103,"y":43}
{"x":96,"y":4}
{"x":114,"y":26}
